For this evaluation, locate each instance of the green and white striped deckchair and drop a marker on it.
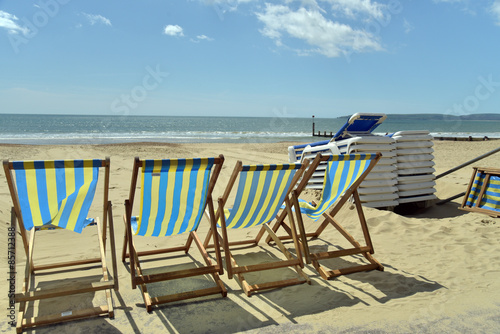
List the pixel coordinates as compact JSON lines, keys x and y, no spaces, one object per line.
{"x":58,"y":194}
{"x":483,"y":192}
{"x":343,"y":175}
{"x":174,"y":195}
{"x":262,"y":190}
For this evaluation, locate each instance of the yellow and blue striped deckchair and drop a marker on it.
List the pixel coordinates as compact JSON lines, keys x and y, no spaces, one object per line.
{"x":343,"y":175}
{"x":261,"y":192}
{"x":342,"y":171}
{"x":483,"y":193}
{"x":174,"y":195}
{"x":56,"y":193}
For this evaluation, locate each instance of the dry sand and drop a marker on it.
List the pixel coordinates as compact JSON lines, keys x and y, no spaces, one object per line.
{"x":441,"y":264}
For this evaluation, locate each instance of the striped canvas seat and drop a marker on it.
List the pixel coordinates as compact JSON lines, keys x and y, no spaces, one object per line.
{"x":261,"y":192}
{"x":483,"y":192}
{"x":174,"y":195}
{"x":341,"y":172}
{"x":56,"y":193}
{"x":491,"y":198}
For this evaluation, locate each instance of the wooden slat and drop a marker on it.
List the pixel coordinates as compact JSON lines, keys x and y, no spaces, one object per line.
{"x":339,"y":253}
{"x":77,"y":288}
{"x":185,"y":295}
{"x":146,"y":279}
{"x":277,"y":284}
{"x":57,"y":318}
{"x":66,"y":264}
{"x":266,"y":266}
{"x":351,"y":270}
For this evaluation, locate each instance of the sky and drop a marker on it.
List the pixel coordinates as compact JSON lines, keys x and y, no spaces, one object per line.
{"x":326,"y":58}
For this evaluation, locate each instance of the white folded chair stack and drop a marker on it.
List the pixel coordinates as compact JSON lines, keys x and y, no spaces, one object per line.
{"x":415,"y":166}
{"x":310,"y":152}
{"x":379,"y":189}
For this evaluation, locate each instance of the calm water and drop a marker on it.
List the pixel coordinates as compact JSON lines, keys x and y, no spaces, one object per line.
{"x":78,"y":129}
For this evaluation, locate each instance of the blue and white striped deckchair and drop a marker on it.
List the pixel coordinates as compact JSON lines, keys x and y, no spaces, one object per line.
{"x":58,"y":194}
{"x":483,"y":192}
{"x":262,"y":190}
{"x":174,"y":194}
{"x":343,"y":175}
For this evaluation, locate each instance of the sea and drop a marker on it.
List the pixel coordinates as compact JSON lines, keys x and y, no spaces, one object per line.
{"x":92,"y":129}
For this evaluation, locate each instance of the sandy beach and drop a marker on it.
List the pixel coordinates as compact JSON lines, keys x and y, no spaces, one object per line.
{"x":441,"y":263}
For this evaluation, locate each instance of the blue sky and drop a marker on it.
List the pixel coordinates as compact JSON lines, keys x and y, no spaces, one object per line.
{"x":326,"y":58}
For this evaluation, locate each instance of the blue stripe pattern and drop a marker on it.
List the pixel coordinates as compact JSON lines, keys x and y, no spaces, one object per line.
{"x":261,"y":192}
{"x":341,"y":172}
{"x":491,"y":197}
{"x":43,"y":193}
{"x":173,"y":196}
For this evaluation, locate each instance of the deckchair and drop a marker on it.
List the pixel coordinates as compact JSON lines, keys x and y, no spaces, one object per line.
{"x":58,"y":195}
{"x":483,"y":192}
{"x":174,"y":194}
{"x":262,"y":189}
{"x":343,"y":175}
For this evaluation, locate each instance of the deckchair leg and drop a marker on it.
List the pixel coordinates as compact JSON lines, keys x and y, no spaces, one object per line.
{"x":28,"y":272}
{"x":113,"y":248}
{"x":105,"y":269}
{"x":125,"y":241}
{"x":225,"y":244}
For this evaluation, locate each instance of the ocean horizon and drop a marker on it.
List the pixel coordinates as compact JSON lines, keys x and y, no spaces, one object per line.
{"x":96,"y":129}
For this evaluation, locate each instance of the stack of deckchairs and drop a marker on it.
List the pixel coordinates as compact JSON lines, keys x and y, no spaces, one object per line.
{"x":355,"y":137}
{"x":415,"y":166}
{"x":404,"y":174}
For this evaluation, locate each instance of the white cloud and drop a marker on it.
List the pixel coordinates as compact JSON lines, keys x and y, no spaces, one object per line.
{"x":329,"y":38}
{"x":9,"y":22}
{"x":200,"y":38}
{"x":351,"y":8}
{"x":93,"y":19}
{"x":173,"y":30}
{"x":495,"y":10}
{"x":203,"y":37}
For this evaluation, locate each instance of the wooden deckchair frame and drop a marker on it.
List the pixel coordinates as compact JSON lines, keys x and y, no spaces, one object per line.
{"x":367,"y":250}
{"x":138,"y":278}
{"x":488,"y":173}
{"x":30,"y":294}
{"x":232,"y":268}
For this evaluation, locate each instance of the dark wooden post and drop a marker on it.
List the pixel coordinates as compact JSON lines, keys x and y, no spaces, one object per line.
{"x":313,"y":125}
